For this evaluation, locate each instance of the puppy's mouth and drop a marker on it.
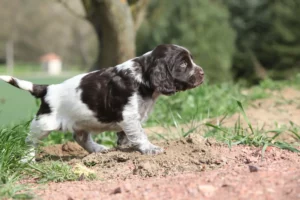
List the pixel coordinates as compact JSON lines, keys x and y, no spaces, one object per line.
{"x":195,"y":82}
{"x":198,"y":77}
{"x":199,"y":82}
{"x":188,"y":85}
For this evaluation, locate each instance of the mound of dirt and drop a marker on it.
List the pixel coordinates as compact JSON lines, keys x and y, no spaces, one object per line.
{"x":187,"y":155}
{"x":192,"y":168}
{"x":65,"y":151}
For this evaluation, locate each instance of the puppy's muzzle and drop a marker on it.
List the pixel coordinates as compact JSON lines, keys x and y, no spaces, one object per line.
{"x":199,"y":76}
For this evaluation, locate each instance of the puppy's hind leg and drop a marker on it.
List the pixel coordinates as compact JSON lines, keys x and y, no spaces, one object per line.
{"x":38,"y":131}
{"x":86,"y":141}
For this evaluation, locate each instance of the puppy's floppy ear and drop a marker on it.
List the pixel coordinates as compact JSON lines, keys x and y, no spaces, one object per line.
{"x":161,"y":79}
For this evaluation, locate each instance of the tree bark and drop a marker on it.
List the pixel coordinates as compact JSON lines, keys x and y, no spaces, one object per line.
{"x":138,"y":11}
{"x":113,"y":24}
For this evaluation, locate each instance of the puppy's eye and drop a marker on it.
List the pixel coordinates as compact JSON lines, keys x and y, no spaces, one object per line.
{"x":183,"y":65}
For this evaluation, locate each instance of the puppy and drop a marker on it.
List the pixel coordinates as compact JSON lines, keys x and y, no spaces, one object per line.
{"x":113,"y":99}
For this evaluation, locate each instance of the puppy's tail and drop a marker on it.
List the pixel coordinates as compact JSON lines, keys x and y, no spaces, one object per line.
{"x":38,"y":91}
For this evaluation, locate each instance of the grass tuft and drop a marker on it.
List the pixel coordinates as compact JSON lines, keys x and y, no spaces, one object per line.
{"x":248,"y":136}
{"x":52,"y":171}
{"x":12,"y":150}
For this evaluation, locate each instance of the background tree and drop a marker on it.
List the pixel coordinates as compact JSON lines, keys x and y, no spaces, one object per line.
{"x":200,"y":25}
{"x":115,"y":23}
{"x":38,"y":27}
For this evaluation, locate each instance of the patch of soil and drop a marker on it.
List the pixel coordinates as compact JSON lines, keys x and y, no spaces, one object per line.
{"x":65,"y":151}
{"x":190,"y":169}
{"x":187,"y":155}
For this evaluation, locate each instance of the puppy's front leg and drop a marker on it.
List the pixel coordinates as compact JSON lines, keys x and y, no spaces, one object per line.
{"x":85,"y":140}
{"x":138,"y":138}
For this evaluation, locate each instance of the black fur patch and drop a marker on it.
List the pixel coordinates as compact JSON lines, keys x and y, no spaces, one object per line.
{"x":39,"y":91}
{"x":106,"y":92}
{"x":14,"y":83}
{"x":161,"y":69}
{"x":44,"y":108}
{"x":145,"y":92}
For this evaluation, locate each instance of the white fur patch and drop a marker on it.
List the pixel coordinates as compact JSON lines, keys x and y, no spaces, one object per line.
{"x":126,"y":65}
{"x":147,"y":53}
{"x":129,"y":65}
{"x":6,"y":78}
{"x":25,"y":85}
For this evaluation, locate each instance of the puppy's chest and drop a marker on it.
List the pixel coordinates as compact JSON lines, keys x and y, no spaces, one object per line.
{"x":145,"y":108}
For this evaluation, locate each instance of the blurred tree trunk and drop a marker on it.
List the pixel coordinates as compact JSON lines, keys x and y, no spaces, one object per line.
{"x":115,"y":23}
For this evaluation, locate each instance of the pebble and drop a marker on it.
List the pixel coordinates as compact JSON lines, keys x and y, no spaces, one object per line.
{"x":252,"y":168}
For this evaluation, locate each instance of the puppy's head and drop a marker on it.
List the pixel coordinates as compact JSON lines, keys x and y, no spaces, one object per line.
{"x":172,"y":70}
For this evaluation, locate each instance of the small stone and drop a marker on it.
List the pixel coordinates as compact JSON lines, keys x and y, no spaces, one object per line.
{"x":207,"y":190}
{"x":217,"y":162}
{"x":225,"y":185}
{"x":253,"y":168}
{"x":247,"y":161}
{"x":189,"y":140}
{"x":127,"y":187}
{"x":121,"y":158}
{"x":192,"y":191}
{"x":117,"y":191}
{"x":81,"y":177}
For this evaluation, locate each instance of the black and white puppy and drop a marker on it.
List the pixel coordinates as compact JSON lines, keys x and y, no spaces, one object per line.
{"x":113,"y":99}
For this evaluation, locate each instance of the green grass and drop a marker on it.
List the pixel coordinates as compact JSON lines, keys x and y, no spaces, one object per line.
{"x":209,"y":101}
{"x":21,"y":69}
{"x":203,"y":102}
{"x":54,"y":171}
{"x":12,"y":148}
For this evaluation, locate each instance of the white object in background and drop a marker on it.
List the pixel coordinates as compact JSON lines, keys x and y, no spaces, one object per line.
{"x":52,"y":64}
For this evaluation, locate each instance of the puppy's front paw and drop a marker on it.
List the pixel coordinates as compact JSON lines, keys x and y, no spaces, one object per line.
{"x":97,"y":148}
{"x":150,"y":149}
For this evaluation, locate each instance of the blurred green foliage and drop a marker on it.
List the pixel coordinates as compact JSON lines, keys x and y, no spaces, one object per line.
{"x":249,"y":40}
{"x":268,"y":38}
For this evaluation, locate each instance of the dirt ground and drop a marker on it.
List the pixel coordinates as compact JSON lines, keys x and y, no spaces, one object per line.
{"x":190,"y":168}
